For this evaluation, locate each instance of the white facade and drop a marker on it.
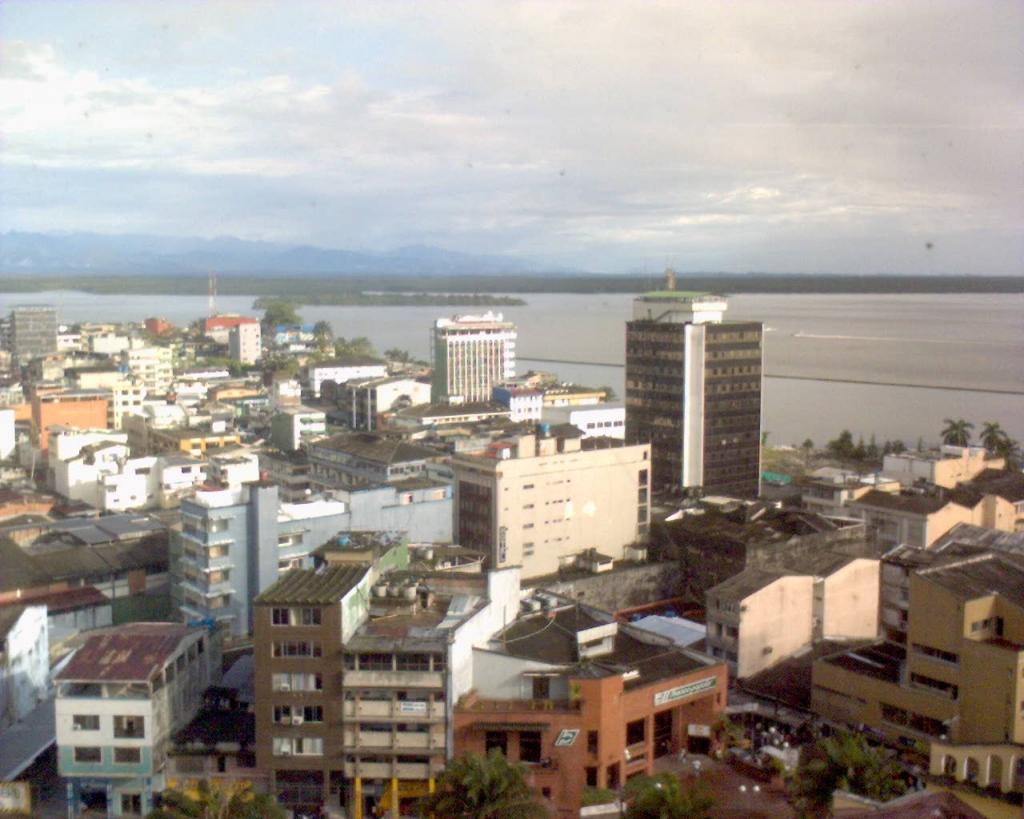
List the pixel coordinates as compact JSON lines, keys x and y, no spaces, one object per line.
{"x":340,"y":373}
{"x":471,"y":355}
{"x":6,"y":433}
{"x":245,"y":342}
{"x":109,"y":344}
{"x":153,"y":366}
{"x":293,"y":426}
{"x":235,"y":468}
{"x":24,"y":664}
{"x":126,"y":398}
{"x":603,"y":420}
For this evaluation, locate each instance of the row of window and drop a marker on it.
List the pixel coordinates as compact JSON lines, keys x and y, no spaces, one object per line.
{"x":307,"y":616}
{"x":395,"y":662}
{"x":297,"y":648}
{"x":93,"y":755}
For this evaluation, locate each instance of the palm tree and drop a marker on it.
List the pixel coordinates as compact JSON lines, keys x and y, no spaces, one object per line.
{"x":957,"y":433}
{"x":323,"y":331}
{"x":845,"y":761}
{"x":992,"y":435}
{"x":1009,"y":450}
{"x":663,"y":797}
{"x":216,"y":800}
{"x":477,"y":787}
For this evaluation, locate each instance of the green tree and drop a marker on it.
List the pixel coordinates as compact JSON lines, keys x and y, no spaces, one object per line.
{"x":396,"y":354}
{"x":1009,"y":449}
{"x":322,"y":331}
{"x":280,"y":311}
{"x":215,"y":800}
{"x":848,"y":762}
{"x":359,"y":345}
{"x":992,"y":435}
{"x":663,"y":797}
{"x":843,"y":446}
{"x":609,"y":393}
{"x":477,"y":787}
{"x":956,"y":433}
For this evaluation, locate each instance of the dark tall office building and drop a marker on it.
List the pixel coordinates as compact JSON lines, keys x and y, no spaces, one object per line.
{"x":33,"y":332}
{"x":693,"y":391}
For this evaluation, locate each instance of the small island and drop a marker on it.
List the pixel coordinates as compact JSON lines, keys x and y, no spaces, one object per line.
{"x":359,"y":299}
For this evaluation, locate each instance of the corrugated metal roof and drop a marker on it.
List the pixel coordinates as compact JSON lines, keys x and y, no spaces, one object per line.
{"x":130,"y":653}
{"x":322,"y":586}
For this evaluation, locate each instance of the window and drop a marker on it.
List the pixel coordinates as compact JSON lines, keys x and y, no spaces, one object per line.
{"x":297,"y":649}
{"x":280,"y":617}
{"x":85,"y":722}
{"x":592,"y":744}
{"x":936,"y":653}
{"x":529,"y":746}
{"x":131,"y":727}
{"x":541,"y":688}
{"x":412,"y":662}
{"x":127,"y":756}
{"x":591,"y":776}
{"x":496,"y":740}
{"x":131,"y":803}
{"x":635,"y":732}
{"x":87,"y":755}
{"x":309,"y":617}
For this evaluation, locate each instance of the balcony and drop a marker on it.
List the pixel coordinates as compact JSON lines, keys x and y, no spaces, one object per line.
{"x":399,"y":740}
{"x":373,"y":709}
{"x":388,"y":770}
{"x":470,"y":703}
{"x":394,"y":679}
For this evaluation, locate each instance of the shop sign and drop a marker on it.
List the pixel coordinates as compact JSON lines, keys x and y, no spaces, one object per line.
{"x":567,"y":737}
{"x":683,"y":691}
{"x":15,"y":797}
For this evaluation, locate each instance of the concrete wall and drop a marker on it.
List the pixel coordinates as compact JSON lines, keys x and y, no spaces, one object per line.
{"x":623,"y":588}
{"x":850,"y":600}
{"x":25,"y":665}
{"x":777,"y":622}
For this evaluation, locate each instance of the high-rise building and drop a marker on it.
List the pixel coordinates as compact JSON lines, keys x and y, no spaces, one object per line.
{"x":33,"y":332}
{"x":471,"y":355}
{"x":693,"y":392}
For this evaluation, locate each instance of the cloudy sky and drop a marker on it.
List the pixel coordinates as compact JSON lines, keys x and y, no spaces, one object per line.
{"x":830,"y":136}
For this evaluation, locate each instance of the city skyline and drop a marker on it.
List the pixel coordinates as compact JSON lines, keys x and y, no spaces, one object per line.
{"x":814,"y":137}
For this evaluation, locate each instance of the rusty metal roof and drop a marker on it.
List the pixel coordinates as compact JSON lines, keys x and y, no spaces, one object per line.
{"x":135,"y":652}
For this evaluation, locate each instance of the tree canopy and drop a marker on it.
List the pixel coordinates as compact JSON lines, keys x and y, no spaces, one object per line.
{"x":280,"y":311}
{"x":956,"y":432}
{"x":477,"y":787}
{"x":664,"y":797}
{"x":217,"y":800}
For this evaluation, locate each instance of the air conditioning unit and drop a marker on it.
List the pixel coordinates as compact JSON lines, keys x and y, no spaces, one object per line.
{"x":285,"y":752}
{"x":284,"y":687}
{"x":297,"y":720}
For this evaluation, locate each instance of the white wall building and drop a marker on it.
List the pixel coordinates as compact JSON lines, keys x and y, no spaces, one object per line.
{"x":471,"y":355}
{"x":24,"y":661}
{"x":607,"y":420}
{"x":7,"y":440}
{"x":245,"y":342}
{"x":342,"y":370}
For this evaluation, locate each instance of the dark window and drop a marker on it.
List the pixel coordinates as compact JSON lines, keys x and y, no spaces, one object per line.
{"x":496,"y":739}
{"x":591,"y":742}
{"x":88,"y":755}
{"x":635,"y":732}
{"x":222,"y":764}
{"x":591,"y":775}
{"x":280,"y":617}
{"x":128,"y":756}
{"x":541,"y":688}
{"x":129,"y":727}
{"x":529,"y":746}
{"x":86,"y":722}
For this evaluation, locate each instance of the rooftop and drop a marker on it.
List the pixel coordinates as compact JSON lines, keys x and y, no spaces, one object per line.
{"x":134,"y":652}
{"x":1007,"y":484}
{"x":350,"y":361}
{"x":985,"y":575}
{"x":377,"y":448}
{"x":744,"y":584}
{"x":881,"y":661}
{"x":788,"y":682}
{"x":913,"y":503}
{"x":681,"y":295}
{"x":322,"y":586}
{"x":966,"y":534}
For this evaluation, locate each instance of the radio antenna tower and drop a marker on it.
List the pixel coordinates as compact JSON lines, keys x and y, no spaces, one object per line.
{"x":213,"y":294}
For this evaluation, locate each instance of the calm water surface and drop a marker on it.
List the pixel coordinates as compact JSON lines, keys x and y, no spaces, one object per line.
{"x":946,"y":341}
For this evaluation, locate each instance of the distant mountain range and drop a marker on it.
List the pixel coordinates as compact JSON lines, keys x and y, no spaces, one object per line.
{"x":93,"y":253}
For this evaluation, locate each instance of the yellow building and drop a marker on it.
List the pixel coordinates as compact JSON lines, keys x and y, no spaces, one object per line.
{"x":958,"y":681}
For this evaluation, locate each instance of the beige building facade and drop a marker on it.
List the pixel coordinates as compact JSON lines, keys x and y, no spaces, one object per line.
{"x":946,"y":468}
{"x":540,"y":502}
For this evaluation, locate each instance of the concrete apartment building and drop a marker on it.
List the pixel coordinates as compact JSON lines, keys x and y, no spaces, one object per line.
{"x":344,"y":369}
{"x":153,"y":366}
{"x":33,"y":332}
{"x":693,"y":392}
{"x":604,"y":420}
{"x":356,"y":458}
{"x":120,"y":699}
{"x":828,"y":491}
{"x":916,"y":519}
{"x":363,"y":401}
{"x":541,"y":501}
{"x":245,"y":342}
{"x":580,"y":700}
{"x":82,"y":409}
{"x":235,"y":542}
{"x":356,"y":678}
{"x":759,"y":617}
{"x":471,"y":354}
{"x":956,"y":687}
{"x":291,"y":428}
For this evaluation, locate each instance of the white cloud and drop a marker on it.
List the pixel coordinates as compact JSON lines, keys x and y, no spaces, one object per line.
{"x":524,"y":127}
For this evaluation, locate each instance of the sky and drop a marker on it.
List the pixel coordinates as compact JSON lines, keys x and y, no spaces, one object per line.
{"x":836,"y":136}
